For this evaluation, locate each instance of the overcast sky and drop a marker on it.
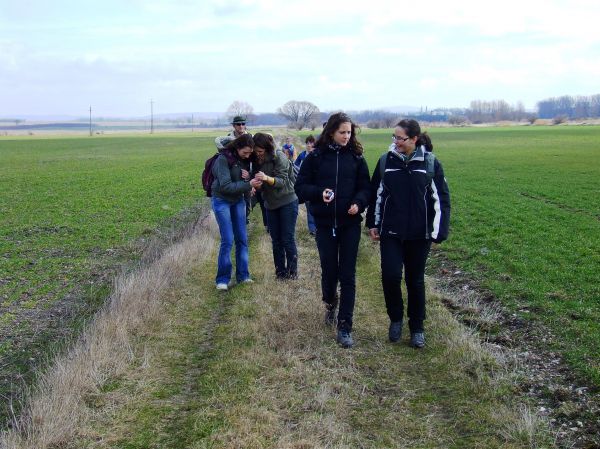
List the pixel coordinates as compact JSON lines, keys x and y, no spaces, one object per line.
{"x":59,"y":57}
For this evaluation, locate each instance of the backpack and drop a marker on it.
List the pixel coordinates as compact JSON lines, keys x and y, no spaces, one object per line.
{"x":207,"y":174}
{"x":429,"y":161}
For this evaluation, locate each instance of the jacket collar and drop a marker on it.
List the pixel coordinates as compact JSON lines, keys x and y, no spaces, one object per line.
{"x":417,"y":155}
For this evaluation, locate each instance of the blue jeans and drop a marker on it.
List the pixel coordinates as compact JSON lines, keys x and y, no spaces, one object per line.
{"x":282,"y":227}
{"x":231,"y":219}
{"x":310,"y":220}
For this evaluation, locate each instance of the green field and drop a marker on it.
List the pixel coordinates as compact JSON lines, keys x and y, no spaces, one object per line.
{"x":526,"y":223}
{"x":525,"y":216}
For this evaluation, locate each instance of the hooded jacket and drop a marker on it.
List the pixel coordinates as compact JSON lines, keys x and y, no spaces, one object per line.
{"x":406,"y":203}
{"x":341,"y":170}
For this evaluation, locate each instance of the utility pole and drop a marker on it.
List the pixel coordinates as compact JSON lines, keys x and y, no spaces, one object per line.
{"x":90,"y":121}
{"x":151,"y":116}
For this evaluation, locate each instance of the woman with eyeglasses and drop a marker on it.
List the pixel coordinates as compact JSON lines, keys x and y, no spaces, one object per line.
{"x":409,"y":209}
{"x":231,"y":183}
{"x":334,"y":181}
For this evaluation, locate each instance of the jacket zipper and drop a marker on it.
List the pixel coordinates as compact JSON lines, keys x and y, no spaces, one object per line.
{"x":337,"y":167}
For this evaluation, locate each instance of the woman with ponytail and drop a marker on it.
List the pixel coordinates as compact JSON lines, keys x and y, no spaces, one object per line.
{"x":409,"y":209}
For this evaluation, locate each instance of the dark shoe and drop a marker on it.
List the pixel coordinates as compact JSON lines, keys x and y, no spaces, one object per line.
{"x":417,"y":339}
{"x":330,"y":314}
{"x":395,"y":331}
{"x":344,"y":338}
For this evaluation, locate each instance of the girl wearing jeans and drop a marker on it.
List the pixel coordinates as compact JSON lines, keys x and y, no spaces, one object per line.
{"x":231,"y":182}
{"x":274,"y":178}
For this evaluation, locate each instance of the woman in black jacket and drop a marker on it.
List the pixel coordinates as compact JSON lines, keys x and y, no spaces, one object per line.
{"x":334,"y":179}
{"x":409,"y":209}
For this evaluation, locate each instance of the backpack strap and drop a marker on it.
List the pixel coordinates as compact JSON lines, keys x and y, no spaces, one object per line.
{"x":382,"y":162}
{"x":430,"y":165}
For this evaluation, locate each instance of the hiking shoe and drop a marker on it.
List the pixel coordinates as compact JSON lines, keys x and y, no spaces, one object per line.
{"x":395,"y":331}
{"x":344,"y":338}
{"x":330,"y":314}
{"x":222,"y":286}
{"x":417,"y":339}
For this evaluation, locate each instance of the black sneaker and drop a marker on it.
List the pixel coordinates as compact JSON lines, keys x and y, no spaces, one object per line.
{"x":330,"y":314}
{"x":417,"y":339}
{"x":395,"y":331}
{"x":344,"y":338}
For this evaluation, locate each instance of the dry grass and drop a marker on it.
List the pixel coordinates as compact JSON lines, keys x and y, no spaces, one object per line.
{"x":259,"y":369}
{"x":57,"y":406}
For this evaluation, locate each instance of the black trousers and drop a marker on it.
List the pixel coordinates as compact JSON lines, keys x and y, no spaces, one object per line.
{"x":338,"y":251}
{"x":412,"y":255}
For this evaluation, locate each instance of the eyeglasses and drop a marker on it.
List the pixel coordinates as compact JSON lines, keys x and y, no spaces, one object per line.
{"x":399,"y":138}
{"x":239,"y":124}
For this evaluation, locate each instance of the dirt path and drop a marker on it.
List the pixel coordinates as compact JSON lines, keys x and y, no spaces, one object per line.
{"x":256,"y":367}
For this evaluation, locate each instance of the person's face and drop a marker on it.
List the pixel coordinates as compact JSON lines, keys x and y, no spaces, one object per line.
{"x":260,"y":153}
{"x":403,"y":143}
{"x":341,"y":136}
{"x":245,"y":152}
{"x":240,"y":127}
{"x":310,"y":146}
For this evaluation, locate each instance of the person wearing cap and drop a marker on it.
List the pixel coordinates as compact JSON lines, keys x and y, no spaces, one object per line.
{"x":239,"y":126}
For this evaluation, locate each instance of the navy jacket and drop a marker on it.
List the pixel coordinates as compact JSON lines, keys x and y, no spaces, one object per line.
{"x":407,"y":204}
{"x":344,"y":172}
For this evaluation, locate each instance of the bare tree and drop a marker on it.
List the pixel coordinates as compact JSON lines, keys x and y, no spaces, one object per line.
{"x":240,"y":108}
{"x":300,"y":114}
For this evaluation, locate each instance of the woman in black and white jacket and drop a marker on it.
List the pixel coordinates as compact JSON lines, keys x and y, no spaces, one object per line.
{"x":334,"y":180}
{"x":409,"y":209}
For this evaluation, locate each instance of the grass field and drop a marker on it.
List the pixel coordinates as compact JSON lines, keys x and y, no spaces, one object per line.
{"x":526,"y":223}
{"x":71,"y":210}
{"x":525,"y":217}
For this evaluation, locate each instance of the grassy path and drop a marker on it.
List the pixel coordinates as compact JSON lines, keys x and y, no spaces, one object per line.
{"x":256,"y":368}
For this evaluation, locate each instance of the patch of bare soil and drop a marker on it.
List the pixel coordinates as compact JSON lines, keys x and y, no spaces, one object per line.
{"x":571,"y":407}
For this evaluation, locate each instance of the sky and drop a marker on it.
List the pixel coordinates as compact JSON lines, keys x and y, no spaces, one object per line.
{"x":60,"y":57}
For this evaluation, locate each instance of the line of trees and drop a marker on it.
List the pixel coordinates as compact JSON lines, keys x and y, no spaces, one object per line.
{"x":571,"y":107}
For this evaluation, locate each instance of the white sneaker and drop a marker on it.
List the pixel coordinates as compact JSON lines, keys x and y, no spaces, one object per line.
{"x":247,"y":281}
{"x":222,"y":287}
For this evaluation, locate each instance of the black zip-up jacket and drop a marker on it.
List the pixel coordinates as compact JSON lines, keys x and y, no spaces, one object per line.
{"x":341,"y":170}
{"x":407,"y":204}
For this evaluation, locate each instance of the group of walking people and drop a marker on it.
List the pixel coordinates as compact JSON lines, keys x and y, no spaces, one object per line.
{"x":406,"y":198}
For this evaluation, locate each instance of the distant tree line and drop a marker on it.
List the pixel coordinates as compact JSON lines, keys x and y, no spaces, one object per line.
{"x":571,"y":107}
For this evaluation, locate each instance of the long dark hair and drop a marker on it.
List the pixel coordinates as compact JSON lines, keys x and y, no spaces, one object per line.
{"x":333,"y":124}
{"x":412,"y":129}
{"x":231,"y":149}
{"x":265,"y":141}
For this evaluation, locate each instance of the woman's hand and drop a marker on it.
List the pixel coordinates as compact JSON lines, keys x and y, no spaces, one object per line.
{"x":374,"y":233}
{"x":245,"y":175}
{"x":353,"y":209}
{"x":260,"y":176}
{"x":256,"y":183}
{"x":328,"y":195}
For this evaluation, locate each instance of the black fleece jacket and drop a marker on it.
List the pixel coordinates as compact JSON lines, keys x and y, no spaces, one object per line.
{"x":341,"y":170}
